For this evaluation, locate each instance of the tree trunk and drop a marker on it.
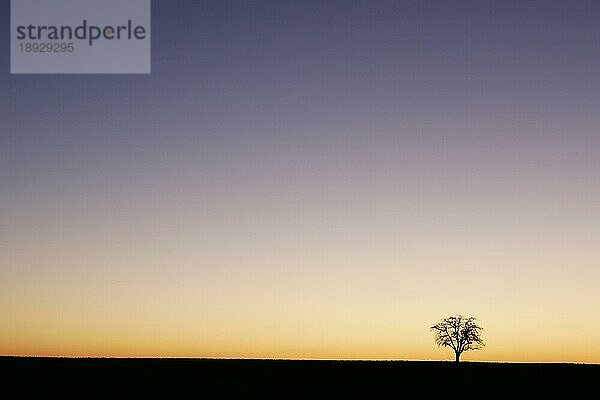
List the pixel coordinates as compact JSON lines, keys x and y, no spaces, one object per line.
{"x":457,"y":357}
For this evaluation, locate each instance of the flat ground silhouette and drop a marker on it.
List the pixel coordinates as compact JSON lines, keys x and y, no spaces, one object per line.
{"x":288,"y":379}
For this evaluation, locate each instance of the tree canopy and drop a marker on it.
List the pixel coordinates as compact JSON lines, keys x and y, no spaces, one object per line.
{"x":458,"y":332}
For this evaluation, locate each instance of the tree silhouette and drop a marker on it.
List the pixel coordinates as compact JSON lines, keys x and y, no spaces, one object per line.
{"x":458,"y":332}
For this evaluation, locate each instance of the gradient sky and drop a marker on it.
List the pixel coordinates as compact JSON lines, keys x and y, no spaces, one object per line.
{"x":311,"y":179}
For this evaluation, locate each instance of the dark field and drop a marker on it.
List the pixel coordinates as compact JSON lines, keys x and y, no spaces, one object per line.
{"x":293,"y":379}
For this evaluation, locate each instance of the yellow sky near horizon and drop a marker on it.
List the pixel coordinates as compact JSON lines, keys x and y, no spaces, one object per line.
{"x":332,"y":295}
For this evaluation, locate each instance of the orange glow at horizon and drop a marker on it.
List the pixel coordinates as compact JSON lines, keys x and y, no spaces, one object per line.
{"x":366,"y":302}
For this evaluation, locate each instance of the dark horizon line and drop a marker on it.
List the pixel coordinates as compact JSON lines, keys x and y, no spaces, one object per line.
{"x":375,"y":360}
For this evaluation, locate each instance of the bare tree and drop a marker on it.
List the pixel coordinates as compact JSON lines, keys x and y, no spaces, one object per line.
{"x":458,"y":332}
